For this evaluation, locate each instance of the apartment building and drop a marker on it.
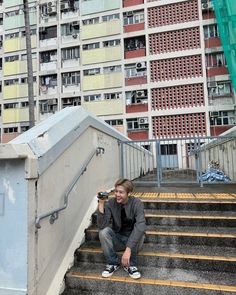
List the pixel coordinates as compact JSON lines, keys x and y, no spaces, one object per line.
{"x":151,"y":69}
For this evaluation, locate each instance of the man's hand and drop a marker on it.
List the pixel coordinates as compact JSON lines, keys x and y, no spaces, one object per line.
{"x":101,"y":205}
{"x":126,"y":257}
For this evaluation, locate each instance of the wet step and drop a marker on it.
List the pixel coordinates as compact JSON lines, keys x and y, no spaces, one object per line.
{"x":87,"y":277}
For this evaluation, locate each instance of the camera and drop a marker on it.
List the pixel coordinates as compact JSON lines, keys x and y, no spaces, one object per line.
{"x":103,"y":195}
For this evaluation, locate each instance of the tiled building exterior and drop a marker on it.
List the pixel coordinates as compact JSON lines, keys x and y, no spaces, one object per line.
{"x":151,"y":69}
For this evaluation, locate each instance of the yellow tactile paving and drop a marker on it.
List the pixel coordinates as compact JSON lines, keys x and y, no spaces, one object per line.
{"x":157,"y":282}
{"x":185,"y":196}
{"x":172,"y":255}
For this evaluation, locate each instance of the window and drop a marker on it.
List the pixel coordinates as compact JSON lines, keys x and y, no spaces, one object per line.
{"x":24,"y":104}
{"x":91,"y":21}
{"x":49,"y":81}
{"x":114,"y":122}
{"x":48,"y":106}
{"x":107,"y":18}
{"x":48,"y":56}
{"x":91,"y":72}
{"x":113,"y":95}
{"x":12,"y":35}
{"x":70,"y":53}
{"x":91,"y":46}
{"x":11,"y":105}
{"x":131,"y":17}
{"x":219,"y":88}
{"x":11,"y":58}
{"x":215,"y":60}
{"x":24,"y":56}
{"x":223,"y":118}
{"x":131,"y":71}
{"x":11,"y":82}
{"x":211,"y":31}
{"x":111,"y":43}
{"x":137,"y":123}
{"x":168,"y":149}
{"x":111,"y":69}
{"x":93,"y":97}
{"x":72,"y":78}
{"x":70,"y":29}
{"x":10,"y":130}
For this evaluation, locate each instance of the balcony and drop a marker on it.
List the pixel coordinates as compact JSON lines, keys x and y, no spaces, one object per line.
{"x":104,"y":107}
{"x":94,"y":6}
{"x":16,"y":115}
{"x":102,"y":81}
{"x":17,"y":91}
{"x":16,"y":44}
{"x":17,"y":67}
{"x":101,"y":55}
{"x":17,"y":21}
{"x":104,"y":29}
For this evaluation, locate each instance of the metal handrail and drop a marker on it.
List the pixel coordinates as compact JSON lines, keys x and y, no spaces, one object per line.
{"x":55,"y":213}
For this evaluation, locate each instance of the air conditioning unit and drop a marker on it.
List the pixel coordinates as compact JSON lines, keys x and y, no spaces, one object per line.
{"x":143,"y":121}
{"x":140,"y":66}
{"x":52,"y":9}
{"x":65,"y":6}
{"x":140,"y":93}
{"x":214,"y":114}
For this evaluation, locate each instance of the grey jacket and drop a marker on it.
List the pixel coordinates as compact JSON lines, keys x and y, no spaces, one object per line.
{"x":134,"y":210}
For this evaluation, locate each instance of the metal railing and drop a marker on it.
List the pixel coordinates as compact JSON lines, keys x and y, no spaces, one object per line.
{"x":181,"y":160}
{"x":54,"y":214}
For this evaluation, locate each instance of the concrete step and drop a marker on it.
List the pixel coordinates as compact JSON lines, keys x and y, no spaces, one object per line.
{"x":87,"y":277}
{"x":191,"y":218}
{"x":165,"y":235}
{"x":157,"y":258}
{"x":191,"y":204}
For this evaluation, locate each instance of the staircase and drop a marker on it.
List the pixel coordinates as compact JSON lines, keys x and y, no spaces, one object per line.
{"x":190,"y":248}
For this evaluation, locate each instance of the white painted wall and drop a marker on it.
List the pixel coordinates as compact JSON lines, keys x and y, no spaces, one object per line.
{"x":32,"y":261}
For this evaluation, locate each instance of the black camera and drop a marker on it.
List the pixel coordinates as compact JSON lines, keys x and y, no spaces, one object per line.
{"x":103,"y":195}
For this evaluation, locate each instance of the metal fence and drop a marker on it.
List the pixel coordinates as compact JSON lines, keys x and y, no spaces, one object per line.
{"x":180,"y":160}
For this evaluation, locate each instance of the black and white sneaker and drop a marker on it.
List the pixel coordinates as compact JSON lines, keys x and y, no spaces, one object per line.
{"x":109,"y":270}
{"x":133,"y":272}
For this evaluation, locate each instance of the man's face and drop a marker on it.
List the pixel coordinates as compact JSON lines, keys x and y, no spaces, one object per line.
{"x":121,"y":195}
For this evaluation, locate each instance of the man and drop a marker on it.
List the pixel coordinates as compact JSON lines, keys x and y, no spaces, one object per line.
{"x":126,"y":232}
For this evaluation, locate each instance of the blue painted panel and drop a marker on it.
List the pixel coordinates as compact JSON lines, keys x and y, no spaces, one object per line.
{"x":13,"y":228}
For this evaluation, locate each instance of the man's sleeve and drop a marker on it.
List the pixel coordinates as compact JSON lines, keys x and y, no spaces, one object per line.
{"x":104,"y":218}
{"x":139,"y":226}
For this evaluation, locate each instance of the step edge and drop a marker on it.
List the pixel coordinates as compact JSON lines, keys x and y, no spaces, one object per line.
{"x":169,"y":255}
{"x":171,"y":283}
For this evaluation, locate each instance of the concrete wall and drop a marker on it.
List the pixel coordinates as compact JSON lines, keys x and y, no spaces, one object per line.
{"x":38,"y":168}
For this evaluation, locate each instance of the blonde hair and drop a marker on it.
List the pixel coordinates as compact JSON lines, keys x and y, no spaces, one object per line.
{"x":126,"y":183}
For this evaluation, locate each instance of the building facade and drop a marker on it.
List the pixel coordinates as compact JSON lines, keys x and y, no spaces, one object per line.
{"x":151,"y":69}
